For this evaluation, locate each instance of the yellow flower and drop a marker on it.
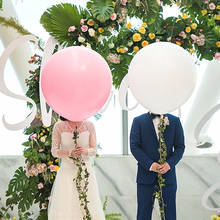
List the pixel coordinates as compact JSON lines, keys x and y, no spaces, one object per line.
{"x":13,"y":218}
{"x":121,"y":50}
{"x":43,"y":131}
{"x":57,"y":160}
{"x":100,"y":30}
{"x":136,"y":37}
{"x":178,"y":43}
{"x":188,"y":29}
{"x":144,"y":24}
{"x":213,"y":217}
{"x":90,"y":22}
{"x":204,"y":11}
{"x":136,"y":49}
{"x":151,"y":36}
{"x":217,"y":17}
{"x":184,"y":16}
{"x":178,"y":3}
{"x":118,"y":49}
{"x":113,"y":3}
{"x":218,"y":43}
{"x":191,"y":51}
{"x":51,"y":177}
{"x":57,"y":168}
{"x":178,"y":19}
{"x":218,"y":7}
{"x":142,"y":30}
{"x":193,"y":26}
{"x":41,"y":134}
{"x":50,"y":162}
{"x":44,"y":126}
{"x":144,"y":43}
{"x":128,"y":25}
{"x":218,"y":218}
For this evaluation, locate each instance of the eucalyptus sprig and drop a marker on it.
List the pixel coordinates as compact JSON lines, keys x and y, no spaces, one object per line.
{"x":81,"y":180}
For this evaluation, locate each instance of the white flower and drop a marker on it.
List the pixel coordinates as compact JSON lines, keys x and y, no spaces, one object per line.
{"x":43,"y":139}
{"x":111,"y":45}
{"x":81,"y":39}
{"x":130,"y":43}
{"x":138,"y":3}
{"x":100,"y":38}
{"x":169,"y":39}
{"x":88,"y":45}
{"x":91,"y":32}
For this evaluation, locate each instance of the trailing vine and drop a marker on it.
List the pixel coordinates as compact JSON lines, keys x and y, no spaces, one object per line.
{"x":163,"y":156}
{"x":81,"y":180}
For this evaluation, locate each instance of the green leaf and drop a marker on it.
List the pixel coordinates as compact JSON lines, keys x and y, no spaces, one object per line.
{"x":18,"y":181}
{"x":101,"y":9}
{"x":57,"y":19}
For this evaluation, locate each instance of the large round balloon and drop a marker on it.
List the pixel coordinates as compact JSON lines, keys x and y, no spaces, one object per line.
{"x":76,"y":82}
{"x":162,"y":76}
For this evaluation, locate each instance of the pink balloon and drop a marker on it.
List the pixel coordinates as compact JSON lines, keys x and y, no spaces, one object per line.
{"x":76,"y":82}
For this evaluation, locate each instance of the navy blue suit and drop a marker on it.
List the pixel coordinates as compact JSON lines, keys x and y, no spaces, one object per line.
{"x":144,"y":147}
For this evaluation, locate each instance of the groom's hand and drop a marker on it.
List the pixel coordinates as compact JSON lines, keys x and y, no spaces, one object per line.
{"x":164,"y":168}
{"x":155,"y":167}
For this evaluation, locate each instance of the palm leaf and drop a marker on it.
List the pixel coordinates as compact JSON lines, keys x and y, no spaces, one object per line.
{"x":57,"y":19}
{"x":101,"y":9}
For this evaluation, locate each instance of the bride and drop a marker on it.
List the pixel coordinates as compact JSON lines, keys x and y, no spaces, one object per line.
{"x":64,"y":203}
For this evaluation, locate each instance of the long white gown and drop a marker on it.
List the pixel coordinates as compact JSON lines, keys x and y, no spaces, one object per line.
{"x":64,"y":203}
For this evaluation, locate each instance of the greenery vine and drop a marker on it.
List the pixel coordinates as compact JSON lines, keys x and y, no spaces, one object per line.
{"x":81,"y":180}
{"x":163,"y":156}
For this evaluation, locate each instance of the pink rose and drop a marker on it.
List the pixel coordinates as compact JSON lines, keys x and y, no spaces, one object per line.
{"x":113,"y":17}
{"x":49,"y":198}
{"x":182,"y":34}
{"x":44,"y":206}
{"x":52,"y":168}
{"x":123,"y":2}
{"x":157,"y":40}
{"x":194,"y":37}
{"x":113,"y":58}
{"x":84,"y":28}
{"x":217,"y":56}
{"x":212,"y":6}
{"x":82,"y":21}
{"x":41,"y":150}
{"x":218,"y":212}
{"x":166,"y":121}
{"x":40,"y":186}
{"x":206,"y":1}
{"x":72,"y":29}
{"x":159,"y":2}
{"x":33,"y":136}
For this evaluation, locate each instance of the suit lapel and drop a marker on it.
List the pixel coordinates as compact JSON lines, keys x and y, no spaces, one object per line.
{"x":151,"y":124}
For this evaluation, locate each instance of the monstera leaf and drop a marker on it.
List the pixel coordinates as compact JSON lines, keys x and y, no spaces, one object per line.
{"x":101,"y":9}
{"x":57,"y":19}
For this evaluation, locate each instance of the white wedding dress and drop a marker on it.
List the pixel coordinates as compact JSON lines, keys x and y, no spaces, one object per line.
{"x":64,"y":203}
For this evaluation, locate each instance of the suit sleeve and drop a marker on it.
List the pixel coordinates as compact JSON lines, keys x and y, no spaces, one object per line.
{"x":135,"y":146}
{"x":179,"y":145}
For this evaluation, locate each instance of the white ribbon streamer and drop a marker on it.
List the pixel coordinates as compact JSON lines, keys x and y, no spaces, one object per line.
{"x":204,"y":119}
{"x":48,"y":52}
{"x":103,"y":109}
{"x":123,"y":92}
{"x":3,"y":88}
{"x":207,"y":194}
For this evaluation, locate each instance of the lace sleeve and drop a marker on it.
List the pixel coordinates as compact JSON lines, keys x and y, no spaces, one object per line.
{"x":92,"y":141}
{"x":56,"y":142}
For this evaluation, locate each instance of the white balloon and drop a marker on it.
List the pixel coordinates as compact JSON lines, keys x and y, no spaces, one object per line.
{"x":162,"y":76}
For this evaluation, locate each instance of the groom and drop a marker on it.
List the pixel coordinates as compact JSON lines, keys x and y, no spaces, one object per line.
{"x":144,"y":146}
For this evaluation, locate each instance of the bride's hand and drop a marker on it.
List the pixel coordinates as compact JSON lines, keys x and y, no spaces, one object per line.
{"x":74,"y":153}
{"x":81,"y":150}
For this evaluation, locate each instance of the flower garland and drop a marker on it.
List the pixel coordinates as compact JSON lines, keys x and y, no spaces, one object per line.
{"x":81,"y":180}
{"x":164,"y":121}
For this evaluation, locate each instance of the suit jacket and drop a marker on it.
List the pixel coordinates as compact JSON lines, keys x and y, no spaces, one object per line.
{"x":144,"y":146}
